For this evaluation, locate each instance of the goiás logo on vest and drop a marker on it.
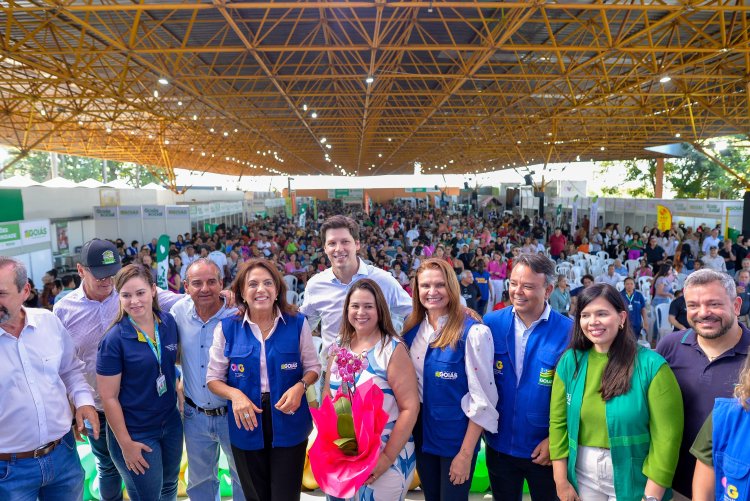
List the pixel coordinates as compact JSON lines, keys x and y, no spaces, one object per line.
{"x":546,"y":376}
{"x":289,"y":367}
{"x":449,"y":375}
{"x":498,"y":367}
{"x":238,"y":370}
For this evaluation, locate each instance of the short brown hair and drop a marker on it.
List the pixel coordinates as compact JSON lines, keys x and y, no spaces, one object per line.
{"x":238,"y":286}
{"x":335,"y":222}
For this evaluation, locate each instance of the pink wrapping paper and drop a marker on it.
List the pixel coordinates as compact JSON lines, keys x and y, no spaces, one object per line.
{"x":337,"y":474}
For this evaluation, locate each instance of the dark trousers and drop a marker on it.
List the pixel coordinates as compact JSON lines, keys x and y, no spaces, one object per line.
{"x":434,"y":472}
{"x":507,"y":474}
{"x":270,"y":473}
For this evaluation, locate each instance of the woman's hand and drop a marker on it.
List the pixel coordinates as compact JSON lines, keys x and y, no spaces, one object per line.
{"x":132,"y":453}
{"x":291,"y":399}
{"x":245,"y":411}
{"x":384,"y":462}
{"x":565,"y":491}
{"x":460,"y":468}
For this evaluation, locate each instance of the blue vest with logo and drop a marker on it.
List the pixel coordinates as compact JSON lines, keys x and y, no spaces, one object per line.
{"x":444,"y":424}
{"x":524,"y":405}
{"x":731,"y":436}
{"x":284,"y":367}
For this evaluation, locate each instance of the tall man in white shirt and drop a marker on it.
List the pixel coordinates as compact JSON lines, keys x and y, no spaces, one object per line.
{"x":87,"y":313}
{"x":205,"y":414}
{"x":39,"y":377}
{"x":326,"y":291}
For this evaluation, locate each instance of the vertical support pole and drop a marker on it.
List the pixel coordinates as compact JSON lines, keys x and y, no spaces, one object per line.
{"x":659,"y":184}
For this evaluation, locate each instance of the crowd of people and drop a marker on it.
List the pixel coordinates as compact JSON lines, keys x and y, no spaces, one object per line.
{"x":468,"y":327}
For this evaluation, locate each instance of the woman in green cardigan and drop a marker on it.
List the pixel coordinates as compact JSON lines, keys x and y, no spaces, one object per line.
{"x":616,"y":415}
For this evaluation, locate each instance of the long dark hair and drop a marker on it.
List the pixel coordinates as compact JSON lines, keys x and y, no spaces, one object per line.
{"x":238,"y":287}
{"x":385,"y":326}
{"x":619,"y":370}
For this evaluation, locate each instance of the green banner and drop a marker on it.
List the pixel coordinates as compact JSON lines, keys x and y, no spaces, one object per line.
{"x":162,"y":261}
{"x":11,"y":205}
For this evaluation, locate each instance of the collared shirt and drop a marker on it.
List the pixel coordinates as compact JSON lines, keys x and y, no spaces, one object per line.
{"x":701,"y":381}
{"x":87,"y":320}
{"x":325,"y":295}
{"x":612,"y":280}
{"x":480,"y":402}
{"x":196,"y":337}
{"x":219,"y":364}
{"x":39,"y":373}
{"x":710,"y":241}
{"x":522,"y":334}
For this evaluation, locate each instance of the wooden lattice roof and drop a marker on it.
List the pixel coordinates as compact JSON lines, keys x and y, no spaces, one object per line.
{"x":459,"y":86}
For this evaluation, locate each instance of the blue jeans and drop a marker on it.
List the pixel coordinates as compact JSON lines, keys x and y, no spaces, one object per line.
{"x":110,"y":482}
{"x":159,"y":482}
{"x":204,"y":435}
{"x":58,"y":476}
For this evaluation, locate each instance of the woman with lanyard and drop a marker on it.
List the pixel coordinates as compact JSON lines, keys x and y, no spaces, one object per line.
{"x":723,"y":458}
{"x":262,"y":361}
{"x":453,"y":357}
{"x":135,"y":370}
{"x":559,"y":300}
{"x":616,"y":415}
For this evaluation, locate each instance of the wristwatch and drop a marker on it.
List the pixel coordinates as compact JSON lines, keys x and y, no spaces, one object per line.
{"x":305,"y":385}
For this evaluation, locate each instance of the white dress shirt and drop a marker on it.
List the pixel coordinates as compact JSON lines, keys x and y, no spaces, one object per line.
{"x":325,"y":295}
{"x":218,"y":363}
{"x":522,"y":334}
{"x":479,"y":402}
{"x":39,"y":374}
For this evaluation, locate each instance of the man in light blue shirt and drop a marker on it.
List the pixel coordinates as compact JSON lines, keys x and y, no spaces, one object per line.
{"x":205,"y":414}
{"x":326,"y":291}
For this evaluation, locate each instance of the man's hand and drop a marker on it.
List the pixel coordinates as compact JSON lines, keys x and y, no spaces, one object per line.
{"x":86,"y":412}
{"x":540,"y":454}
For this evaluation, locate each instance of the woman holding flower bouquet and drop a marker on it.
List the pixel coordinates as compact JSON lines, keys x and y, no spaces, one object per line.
{"x":452,"y":354}
{"x":262,"y":360}
{"x":380,"y":356}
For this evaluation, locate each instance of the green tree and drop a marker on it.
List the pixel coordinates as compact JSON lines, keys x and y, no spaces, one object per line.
{"x":640,"y":172}
{"x":36,"y":165}
{"x":697,"y":176}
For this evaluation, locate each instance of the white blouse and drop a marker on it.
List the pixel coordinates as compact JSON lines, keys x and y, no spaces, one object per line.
{"x":480,"y":401}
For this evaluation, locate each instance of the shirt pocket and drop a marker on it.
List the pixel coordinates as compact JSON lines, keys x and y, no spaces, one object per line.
{"x":51,"y":365}
{"x":737,"y":474}
{"x":290,"y":363}
{"x":447,"y":364}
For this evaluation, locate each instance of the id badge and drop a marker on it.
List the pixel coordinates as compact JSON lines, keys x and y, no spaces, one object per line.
{"x":630,"y":307}
{"x":161,"y":385}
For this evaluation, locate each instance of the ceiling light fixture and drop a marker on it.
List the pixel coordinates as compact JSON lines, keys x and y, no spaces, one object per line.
{"x":665,"y":79}
{"x":163,"y":81}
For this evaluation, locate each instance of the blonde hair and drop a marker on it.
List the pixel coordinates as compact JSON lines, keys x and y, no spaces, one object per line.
{"x":742,"y":390}
{"x":126,"y":274}
{"x":453,"y":329}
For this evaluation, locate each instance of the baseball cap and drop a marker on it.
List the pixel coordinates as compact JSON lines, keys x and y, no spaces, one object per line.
{"x":101,"y":257}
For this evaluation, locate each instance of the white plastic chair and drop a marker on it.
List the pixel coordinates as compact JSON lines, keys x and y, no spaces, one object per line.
{"x":300,"y":298}
{"x":609,"y":261}
{"x":644,"y":284}
{"x":620,"y":286}
{"x":603,"y":255}
{"x":563,"y":268}
{"x":292,"y":297}
{"x":632,"y":265}
{"x":661,"y":313}
{"x":291,"y":282}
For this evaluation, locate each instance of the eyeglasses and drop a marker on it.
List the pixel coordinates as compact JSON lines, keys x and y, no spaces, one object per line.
{"x":101,"y":280}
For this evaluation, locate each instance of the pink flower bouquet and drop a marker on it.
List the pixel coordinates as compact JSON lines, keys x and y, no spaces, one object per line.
{"x":347,"y":446}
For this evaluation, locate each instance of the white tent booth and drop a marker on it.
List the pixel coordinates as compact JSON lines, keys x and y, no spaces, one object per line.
{"x":31,"y":243}
{"x":141,"y":222}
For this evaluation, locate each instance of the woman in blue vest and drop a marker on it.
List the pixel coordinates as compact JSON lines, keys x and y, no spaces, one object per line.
{"x":262,"y":360}
{"x":135,"y":369}
{"x":616,"y":410}
{"x":722,"y":469}
{"x":452,"y":355}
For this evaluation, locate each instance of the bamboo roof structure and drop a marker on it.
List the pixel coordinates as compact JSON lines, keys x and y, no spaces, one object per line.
{"x":369,"y":87}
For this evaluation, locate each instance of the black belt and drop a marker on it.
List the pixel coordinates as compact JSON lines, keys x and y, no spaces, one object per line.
{"x":36,"y":453}
{"x":219,"y":411}
{"x":265,"y":397}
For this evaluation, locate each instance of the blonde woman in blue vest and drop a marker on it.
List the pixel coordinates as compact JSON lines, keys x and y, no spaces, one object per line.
{"x":452,"y":355}
{"x":261,"y":361}
{"x":722,"y":469}
{"x":616,"y":411}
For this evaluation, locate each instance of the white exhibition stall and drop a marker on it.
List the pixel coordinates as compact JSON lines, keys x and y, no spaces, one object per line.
{"x":31,"y":243}
{"x":141,"y":222}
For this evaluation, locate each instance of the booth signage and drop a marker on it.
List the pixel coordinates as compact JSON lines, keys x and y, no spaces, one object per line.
{"x":181,"y":211}
{"x":105,"y":212}
{"x":129,"y":212}
{"x":153,"y":212}
{"x":10,"y":235}
{"x":25,"y":233}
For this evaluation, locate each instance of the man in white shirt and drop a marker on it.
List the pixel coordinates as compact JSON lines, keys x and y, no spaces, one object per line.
{"x":325,"y":292}
{"x":39,"y":378}
{"x":711,"y":240}
{"x":714,"y":261}
{"x":219,"y":258}
{"x":610,"y":277}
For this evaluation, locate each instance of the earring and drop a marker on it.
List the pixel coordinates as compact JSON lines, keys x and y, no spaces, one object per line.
{"x":622,"y":326}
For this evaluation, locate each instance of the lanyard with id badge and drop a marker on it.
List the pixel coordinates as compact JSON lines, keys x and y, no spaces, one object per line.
{"x":161,"y":381}
{"x":630,"y":300}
